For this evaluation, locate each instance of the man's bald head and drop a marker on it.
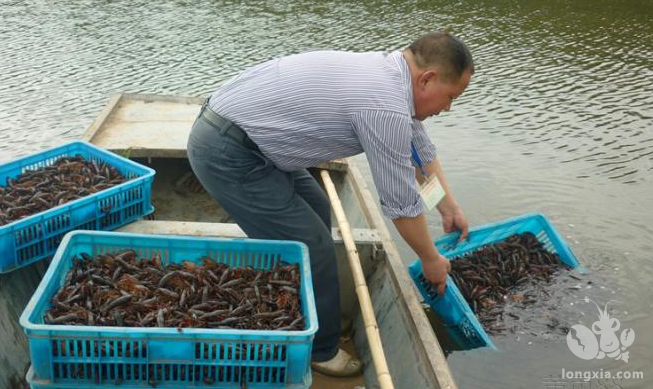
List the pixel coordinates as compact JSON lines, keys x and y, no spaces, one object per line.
{"x":444,"y":52}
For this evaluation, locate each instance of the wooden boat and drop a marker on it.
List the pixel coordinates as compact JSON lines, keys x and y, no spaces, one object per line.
{"x":153,"y":130}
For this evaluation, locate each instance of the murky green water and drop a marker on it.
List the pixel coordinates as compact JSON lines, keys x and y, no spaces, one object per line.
{"x":558,"y":119}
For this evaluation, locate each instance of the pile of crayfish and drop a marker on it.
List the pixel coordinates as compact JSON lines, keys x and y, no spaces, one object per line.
{"x":65,"y":180}
{"x":120,"y":289}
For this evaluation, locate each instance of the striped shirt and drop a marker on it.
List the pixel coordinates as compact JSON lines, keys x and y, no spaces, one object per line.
{"x":309,"y":108}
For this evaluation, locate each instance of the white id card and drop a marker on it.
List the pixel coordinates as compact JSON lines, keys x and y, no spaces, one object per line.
{"x":432,"y":192}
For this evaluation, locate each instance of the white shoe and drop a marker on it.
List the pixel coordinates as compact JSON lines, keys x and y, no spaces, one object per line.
{"x":342,"y":365}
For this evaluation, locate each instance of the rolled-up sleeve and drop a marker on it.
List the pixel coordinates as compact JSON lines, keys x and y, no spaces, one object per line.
{"x":385,"y":137}
{"x":425,"y":148}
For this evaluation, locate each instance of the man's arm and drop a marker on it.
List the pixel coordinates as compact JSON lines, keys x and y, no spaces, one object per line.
{"x":453,"y":218}
{"x":385,"y":136}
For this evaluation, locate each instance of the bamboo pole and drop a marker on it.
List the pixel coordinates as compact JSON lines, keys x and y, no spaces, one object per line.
{"x":364,"y":299}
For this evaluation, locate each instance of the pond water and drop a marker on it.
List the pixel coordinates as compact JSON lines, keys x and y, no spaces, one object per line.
{"x":558,"y":119}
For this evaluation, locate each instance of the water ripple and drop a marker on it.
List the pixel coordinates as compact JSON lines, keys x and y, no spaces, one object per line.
{"x":564,"y":86}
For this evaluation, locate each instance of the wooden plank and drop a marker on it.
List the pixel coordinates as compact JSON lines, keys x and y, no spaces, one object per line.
{"x":404,"y":352}
{"x":147,"y":128}
{"x":339,"y":165}
{"x":99,"y":121}
{"x":362,"y":236}
{"x":151,"y":125}
{"x":357,"y":188}
{"x":152,"y":97}
{"x":16,"y":288}
{"x":403,"y":321}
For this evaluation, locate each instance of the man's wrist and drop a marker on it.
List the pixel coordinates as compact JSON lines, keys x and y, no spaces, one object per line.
{"x":434,"y":257}
{"x":448,"y":205}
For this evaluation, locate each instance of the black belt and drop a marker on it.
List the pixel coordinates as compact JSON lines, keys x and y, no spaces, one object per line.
{"x":226,"y":127}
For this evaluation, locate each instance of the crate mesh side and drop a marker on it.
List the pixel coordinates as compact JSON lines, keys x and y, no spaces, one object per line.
{"x":257,"y":260}
{"x":170,"y":372}
{"x":59,"y":223}
{"x":124,"y":360}
{"x":465,"y":334}
{"x":253,"y":362}
{"x":29,"y":243}
{"x":121,"y":207}
{"x":110,"y":207}
{"x":99,"y":373}
{"x":63,"y":349}
{"x":43,"y":163}
{"x":427,"y":289}
{"x":134,"y":206}
{"x":543,"y":237}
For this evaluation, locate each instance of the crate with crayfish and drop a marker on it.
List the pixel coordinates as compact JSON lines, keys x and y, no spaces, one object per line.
{"x":75,"y":186}
{"x":176,"y":345}
{"x":496,"y":257}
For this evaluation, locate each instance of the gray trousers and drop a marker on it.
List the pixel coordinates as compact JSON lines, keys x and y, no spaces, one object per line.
{"x":268,"y":203}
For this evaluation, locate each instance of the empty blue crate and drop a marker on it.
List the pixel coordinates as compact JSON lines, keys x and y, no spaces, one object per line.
{"x":36,"y":237}
{"x":65,"y":356}
{"x":460,"y":321}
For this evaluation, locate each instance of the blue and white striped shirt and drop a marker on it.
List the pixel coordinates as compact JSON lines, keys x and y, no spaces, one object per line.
{"x":309,"y":108}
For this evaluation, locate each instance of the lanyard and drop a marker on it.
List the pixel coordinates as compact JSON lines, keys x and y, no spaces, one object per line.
{"x":431,"y":190}
{"x":417,"y":159}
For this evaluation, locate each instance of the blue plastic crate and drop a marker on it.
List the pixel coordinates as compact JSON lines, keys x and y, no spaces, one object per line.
{"x":36,"y":237}
{"x":459,"y":319}
{"x":100,"y":357}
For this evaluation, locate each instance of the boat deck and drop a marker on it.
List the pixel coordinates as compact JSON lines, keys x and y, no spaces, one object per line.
{"x":141,"y":125}
{"x":145,"y":126}
{"x":154,"y":129}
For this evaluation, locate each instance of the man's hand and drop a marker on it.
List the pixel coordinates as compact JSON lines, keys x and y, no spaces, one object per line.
{"x":453,"y":219}
{"x":435,"y":271}
{"x":416,"y":234}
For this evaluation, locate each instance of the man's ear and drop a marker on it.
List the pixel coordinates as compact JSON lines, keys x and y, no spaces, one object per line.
{"x":428,"y":76}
